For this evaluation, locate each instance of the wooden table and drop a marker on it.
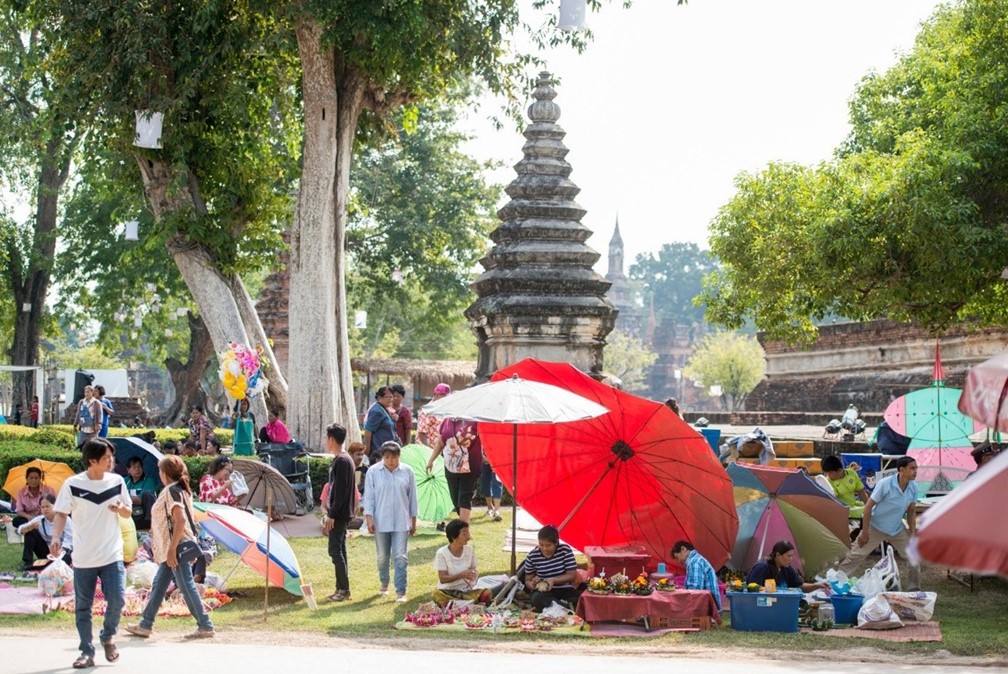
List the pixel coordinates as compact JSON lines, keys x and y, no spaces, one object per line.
{"x":685,"y":608}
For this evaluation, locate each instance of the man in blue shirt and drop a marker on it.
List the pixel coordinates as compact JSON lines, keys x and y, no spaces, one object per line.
{"x":390,"y":510}
{"x":379,"y":426}
{"x":107,"y":410}
{"x":700,"y":574}
{"x":893,"y":497}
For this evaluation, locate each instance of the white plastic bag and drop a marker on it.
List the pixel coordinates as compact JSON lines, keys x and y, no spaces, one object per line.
{"x":141,"y":573}
{"x":238,"y":485}
{"x":56,"y":580}
{"x":876,"y":614}
{"x":870,"y":584}
{"x":912,"y":605}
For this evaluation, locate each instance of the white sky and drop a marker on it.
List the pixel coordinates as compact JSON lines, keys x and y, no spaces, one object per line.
{"x":670,"y":103}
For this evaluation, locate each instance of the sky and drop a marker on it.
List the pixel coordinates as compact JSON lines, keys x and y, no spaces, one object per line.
{"x":669,"y":103}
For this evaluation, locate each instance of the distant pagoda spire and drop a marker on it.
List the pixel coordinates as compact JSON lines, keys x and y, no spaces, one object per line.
{"x":539,"y":295}
{"x":616,"y":254}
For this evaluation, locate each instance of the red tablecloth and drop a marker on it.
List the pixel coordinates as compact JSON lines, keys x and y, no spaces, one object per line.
{"x":678,"y":604}
{"x":631,"y":560}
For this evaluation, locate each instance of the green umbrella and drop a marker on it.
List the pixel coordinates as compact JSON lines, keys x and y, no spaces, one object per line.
{"x":433,"y":500}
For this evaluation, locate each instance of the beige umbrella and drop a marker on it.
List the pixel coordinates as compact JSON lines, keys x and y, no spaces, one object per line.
{"x":269,"y":490}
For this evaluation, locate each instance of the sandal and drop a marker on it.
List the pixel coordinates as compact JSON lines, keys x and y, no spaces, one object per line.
{"x":111,"y":652}
{"x":83,"y":662}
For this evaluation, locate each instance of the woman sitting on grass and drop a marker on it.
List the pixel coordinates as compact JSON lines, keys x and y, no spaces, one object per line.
{"x":455,"y":564}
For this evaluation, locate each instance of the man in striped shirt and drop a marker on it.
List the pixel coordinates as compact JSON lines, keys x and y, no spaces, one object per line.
{"x":699,"y":572}
{"x":551,"y":571}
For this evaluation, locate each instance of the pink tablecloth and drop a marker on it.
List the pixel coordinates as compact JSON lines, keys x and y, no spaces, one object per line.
{"x":678,"y":604}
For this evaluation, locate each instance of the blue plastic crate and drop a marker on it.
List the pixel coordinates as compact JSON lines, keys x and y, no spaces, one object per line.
{"x":713,"y":438}
{"x":846,"y":607}
{"x":765,"y":611}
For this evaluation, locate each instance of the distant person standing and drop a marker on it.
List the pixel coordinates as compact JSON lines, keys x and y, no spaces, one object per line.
{"x":17,"y":414}
{"x":244,"y":430}
{"x":379,"y":426}
{"x":34,"y":412}
{"x":95,"y":499}
{"x":403,"y":416}
{"x":673,"y":405}
{"x":88,"y":420}
{"x":107,"y":410}
{"x":463,"y":462}
{"x":200,"y":428}
{"x":428,"y":425}
{"x":340,"y":505}
{"x":390,"y":510}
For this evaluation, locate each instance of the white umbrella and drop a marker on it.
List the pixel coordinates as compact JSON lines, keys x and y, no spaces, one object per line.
{"x":515,"y":401}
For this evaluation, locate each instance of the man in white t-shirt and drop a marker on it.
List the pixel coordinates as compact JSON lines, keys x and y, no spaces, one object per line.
{"x":96,"y":499}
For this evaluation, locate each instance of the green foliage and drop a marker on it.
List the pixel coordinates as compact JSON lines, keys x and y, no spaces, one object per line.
{"x":907,"y":221}
{"x":672,"y":279}
{"x":53,"y":437}
{"x":626,"y":356}
{"x":420,"y":211}
{"x":734,"y":362}
{"x":90,"y":356}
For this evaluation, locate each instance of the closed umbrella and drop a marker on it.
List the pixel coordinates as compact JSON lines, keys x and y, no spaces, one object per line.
{"x":515,"y":401}
{"x":776,"y":504}
{"x":54,"y":474}
{"x":965,"y":529}
{"x":265,"y":484}
{"x":636,"y":475}
{"x":433,"y":498}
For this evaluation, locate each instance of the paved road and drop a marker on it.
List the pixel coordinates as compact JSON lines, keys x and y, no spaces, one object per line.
{"x":171,"y":655}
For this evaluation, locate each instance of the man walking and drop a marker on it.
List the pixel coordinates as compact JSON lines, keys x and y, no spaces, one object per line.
{"x":341,"y":502}
{"x":882,"y":520}
{"x":96,"y":499}
{"x":390,"y":510}
{"x":88,"y":420}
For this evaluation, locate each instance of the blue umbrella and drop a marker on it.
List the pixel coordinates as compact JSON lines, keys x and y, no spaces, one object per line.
{"x":127,"y":448}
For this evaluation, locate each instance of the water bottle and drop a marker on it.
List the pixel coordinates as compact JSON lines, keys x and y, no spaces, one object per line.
{"x":826,"y":613}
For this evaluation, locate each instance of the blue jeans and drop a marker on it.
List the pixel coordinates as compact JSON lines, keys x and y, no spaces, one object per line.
{"x":113,"y":580}
{"x":392,"y":543}
{"x":182,"y":575}
{"x":489,"y":484}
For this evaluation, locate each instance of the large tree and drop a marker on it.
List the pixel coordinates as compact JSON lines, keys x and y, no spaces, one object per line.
{"x":38,"y":135}
{"x":734,"y":362}
{"x":672,"y":279}
{"x":907,"y":221}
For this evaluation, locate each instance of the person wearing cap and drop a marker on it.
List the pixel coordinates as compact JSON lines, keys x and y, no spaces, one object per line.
{"x":984,"y":453}
{"x":390,"y":512}
{"x":429,"y":426}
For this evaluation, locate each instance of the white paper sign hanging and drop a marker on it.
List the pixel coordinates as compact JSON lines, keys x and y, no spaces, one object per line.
{"x":572,"y":15}
{"x":132,"y":230}
{"x":360,"y":320}
{"x":148,"y":129}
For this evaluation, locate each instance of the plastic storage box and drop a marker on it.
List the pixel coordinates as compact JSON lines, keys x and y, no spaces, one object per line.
{"x":632,"y":560}
{"x":765,"y":612}
{"x":846,"y":607}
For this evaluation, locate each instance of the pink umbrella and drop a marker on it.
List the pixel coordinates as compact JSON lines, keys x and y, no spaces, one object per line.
{"x":964,"y":531}
{"x":983,"y":396}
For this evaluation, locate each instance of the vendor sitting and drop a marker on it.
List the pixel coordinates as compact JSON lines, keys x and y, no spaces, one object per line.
{"x":38,"y":533}
{"x":778,"y":567}
{"x":700,"y":575}
{"x":142,"y":490}
{"x":551,"y":571}
{"x":455,"y":564}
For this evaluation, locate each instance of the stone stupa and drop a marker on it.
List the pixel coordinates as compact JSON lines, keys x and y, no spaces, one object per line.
{"x":540,"y":296}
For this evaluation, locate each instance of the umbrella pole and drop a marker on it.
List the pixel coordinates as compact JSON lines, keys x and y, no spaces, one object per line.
{"x":269,"y":519}
{"x":514,"y":495}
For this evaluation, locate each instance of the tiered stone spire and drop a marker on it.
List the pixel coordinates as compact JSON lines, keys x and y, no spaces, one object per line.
{"x":539,"y":295}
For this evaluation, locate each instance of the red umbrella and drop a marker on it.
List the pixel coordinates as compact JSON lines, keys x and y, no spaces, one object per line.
{"x":638,"y":474}
{"x":963,"y":530}
{"x":983,"y":396}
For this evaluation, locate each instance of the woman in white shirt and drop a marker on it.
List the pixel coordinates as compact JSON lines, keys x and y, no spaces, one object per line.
{"x":38,"y":533}
{"x":455,"y":564}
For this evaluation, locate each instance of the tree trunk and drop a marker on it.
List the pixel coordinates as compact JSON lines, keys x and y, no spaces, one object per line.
{"x":186,"y":377}
{"x":211,"y":290}
{"x":319,"y":363}
{"x":30,"y":281}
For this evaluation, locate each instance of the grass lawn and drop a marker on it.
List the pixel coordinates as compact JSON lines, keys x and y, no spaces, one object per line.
{"x":973,"y":623}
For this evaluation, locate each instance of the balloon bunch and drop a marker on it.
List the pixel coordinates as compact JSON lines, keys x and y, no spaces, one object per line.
{"x":241,"y":372}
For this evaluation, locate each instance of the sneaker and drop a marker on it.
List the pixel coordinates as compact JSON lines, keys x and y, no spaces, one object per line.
{"x":497,"y":516}
{"x":440,"y":526}
{"x":200,"y":634}
{"x":401,"y":598}
{"x":383,"y":589}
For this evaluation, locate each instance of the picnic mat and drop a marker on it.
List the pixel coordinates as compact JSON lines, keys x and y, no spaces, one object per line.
{"x":25,"y":600}
{"x":136,"y":599}
{"x":926,"y":631}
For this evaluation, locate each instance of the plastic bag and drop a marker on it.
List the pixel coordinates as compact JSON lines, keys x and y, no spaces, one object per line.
{"x":912,"y":605}
{"x":216,"y":581}
{"x":870,"y":584}
{"x":876,"y":614}
{"x":56,"y":580}
{"x":141,"y":573}
{"x":238,"y":485}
